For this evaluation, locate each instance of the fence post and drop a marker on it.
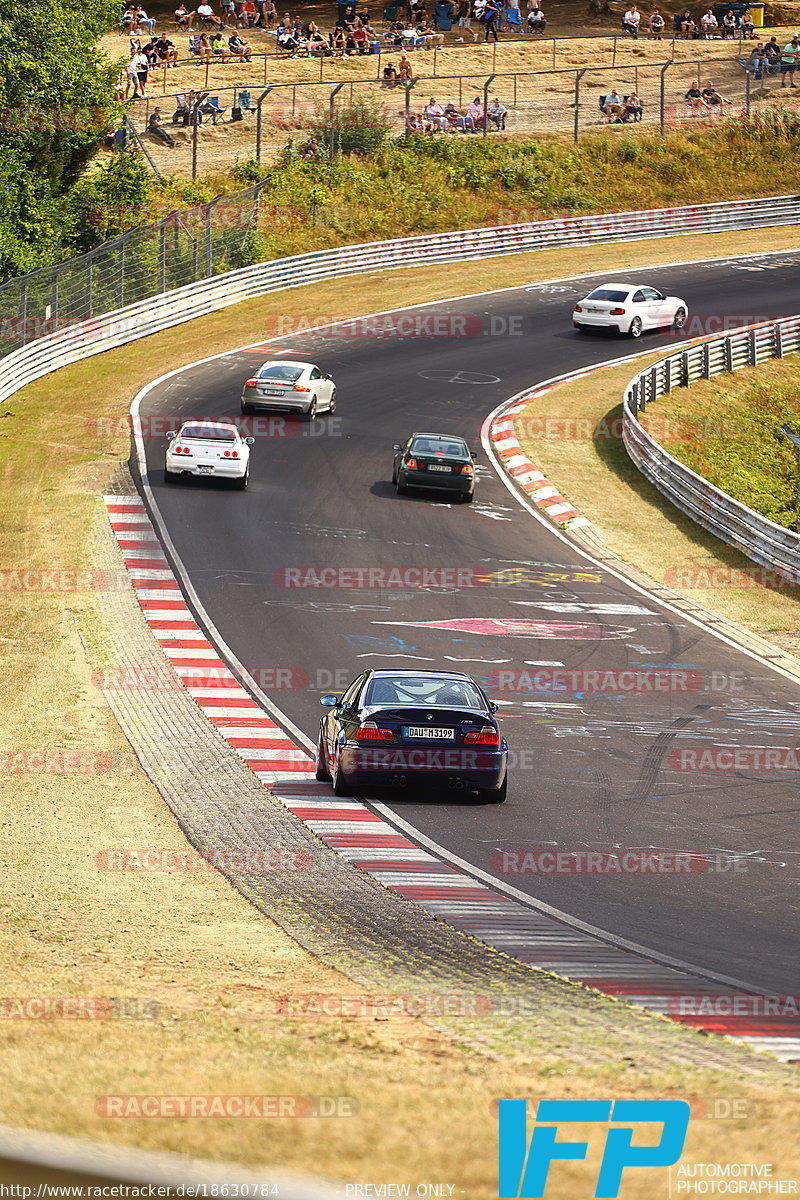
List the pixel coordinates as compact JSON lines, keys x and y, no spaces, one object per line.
{"x":706,"y":360}
{"x":486,"y":103}
{"x":162,"y":258}
{"x":332,"y":118}
{"x":54,"y":302}
{"x":435,"y":49}
{"x":89,"y":286}
{"x":747,"y":92}
{"x":258,"y":122}
{"x":728,"y":349}
{"x":265,"y":66}
{"x":667,"y":376}
{"x":663,"y":92}
{"x":578,"y":77}
{"x":778,"y":331}
{"x":753,"y":348}
{"x":207,"y":66}
{"x":408,"y":84}
{"x":25,"y":309}
{"x":195,"y":127}
{"x":494,"y":56}
{"x":614,"y":52}
{"x":554,"y":54}
{"x":515,"y":87}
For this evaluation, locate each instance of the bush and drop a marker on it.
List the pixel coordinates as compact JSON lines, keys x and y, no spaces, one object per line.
{"x":360,"y":127}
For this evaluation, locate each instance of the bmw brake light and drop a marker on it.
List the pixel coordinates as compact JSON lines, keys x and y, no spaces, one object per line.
{"x":412,"y":464}
{"x":617,"y":312}
{"x":488,"y":736}
{"x":577,"y":308}
{"x":466,"y":469}
{"x":369,"y":732}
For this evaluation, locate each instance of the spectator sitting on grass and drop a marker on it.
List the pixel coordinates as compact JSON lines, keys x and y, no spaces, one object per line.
{"x":631,"y":21}
{"x":712,"y":98}
{"x":390,"y":75}
{"x":239,"y":48}
{"x":404,"y":68}
{"x":497,"y":112}
{"x":289,"y":150}
{"x":694,"y":98}
{"x":155,"y":127}
{"x":655,"y":26}
{"x":536,"y":18}
{"x":310,"y":151}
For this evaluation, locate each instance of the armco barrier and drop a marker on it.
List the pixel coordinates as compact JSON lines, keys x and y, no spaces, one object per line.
{"x":759,"y":539}
{"x":123,"y":325}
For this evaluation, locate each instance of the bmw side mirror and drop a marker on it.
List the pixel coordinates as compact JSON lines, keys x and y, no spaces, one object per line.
{"x":474,"y":453}
{"x":329,"y":701}
{"x":492,"y":706}
{"x":397,"y":446}
{"x":171,"y":433}
{"x":249,"y":441}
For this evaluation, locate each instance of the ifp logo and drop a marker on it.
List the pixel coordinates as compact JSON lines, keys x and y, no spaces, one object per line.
{"x":523,"y":1168}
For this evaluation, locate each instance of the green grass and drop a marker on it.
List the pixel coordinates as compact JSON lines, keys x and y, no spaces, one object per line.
{"x":729,"y":432}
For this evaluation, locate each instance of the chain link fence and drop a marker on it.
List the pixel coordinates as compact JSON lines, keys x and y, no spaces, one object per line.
{"x":567,"y":100}
{"x":184,"y":247}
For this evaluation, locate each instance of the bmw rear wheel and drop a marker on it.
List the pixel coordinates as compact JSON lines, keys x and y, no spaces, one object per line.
{"x":636,"y":327}
{"x":495,"y":797}
{"x":679,"y":320}
{"x":321,"y":772}
{"x":340,"y":784}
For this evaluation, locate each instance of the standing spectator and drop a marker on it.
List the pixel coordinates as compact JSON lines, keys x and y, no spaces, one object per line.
{"x":139,"y":66}
{"x":497,"y":112}
{"x":478,"y":10}
{"x":631,"y":20}
{"x":772,"y":51}
{"x":655,"y":26}
{"x":228,"y":12}
{"x":708,"y":24}
{"x":464,"y":14}
{"x":789,"y":61}
{"x":155,"y":127}
{"x":490,"y":15}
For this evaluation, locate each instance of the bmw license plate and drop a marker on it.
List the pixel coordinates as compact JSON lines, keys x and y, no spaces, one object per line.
{"x":436,"y":467}
{"x":205,"y":470}
{"x":425,"y":731}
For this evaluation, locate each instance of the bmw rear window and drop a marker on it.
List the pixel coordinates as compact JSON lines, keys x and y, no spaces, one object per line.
{"x":608,"y":294}
{"x":211,"y":433}
{"x":286,"y":372}
{"x":440,"y":693}
{"x":449,"y":447}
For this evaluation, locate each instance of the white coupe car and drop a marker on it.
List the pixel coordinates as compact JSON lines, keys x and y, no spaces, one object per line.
{"x":208,"y":448}
{"x":630,"y":308}
{"x":294,"y":386}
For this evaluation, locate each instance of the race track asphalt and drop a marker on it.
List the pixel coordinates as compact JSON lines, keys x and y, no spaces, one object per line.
{"x":592,"y":770}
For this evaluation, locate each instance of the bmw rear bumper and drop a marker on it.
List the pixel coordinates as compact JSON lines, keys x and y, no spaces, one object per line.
{"x":426,"y":766}
{"x":432,"y":480}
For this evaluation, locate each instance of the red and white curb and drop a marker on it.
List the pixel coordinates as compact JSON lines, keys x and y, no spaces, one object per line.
{"x":370,"y":843}
{"x":526,"y":474}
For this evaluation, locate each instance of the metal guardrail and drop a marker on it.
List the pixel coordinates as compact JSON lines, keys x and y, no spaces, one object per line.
{"x":760,"y":539}
{"x":126,"y":324}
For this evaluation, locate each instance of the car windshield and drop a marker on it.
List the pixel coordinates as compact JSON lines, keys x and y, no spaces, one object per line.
{"x":212,"y":433}
{"x":452,"y":447}
{"x":608,"y":294}
{"x":424,"y":690}
{"x":287,"y":372}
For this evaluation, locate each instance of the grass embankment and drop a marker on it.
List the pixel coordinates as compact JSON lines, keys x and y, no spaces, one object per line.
{"x":193,"y":944}
{"x":728,"y":430}
{"x":437,"y":184}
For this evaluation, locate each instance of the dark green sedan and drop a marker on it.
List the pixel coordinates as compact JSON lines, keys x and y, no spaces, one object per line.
{"x":435,"y":462}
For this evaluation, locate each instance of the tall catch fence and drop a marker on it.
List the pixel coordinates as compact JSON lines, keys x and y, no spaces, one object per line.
{"x":563,"y":101}
{"x":181,"y":249}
